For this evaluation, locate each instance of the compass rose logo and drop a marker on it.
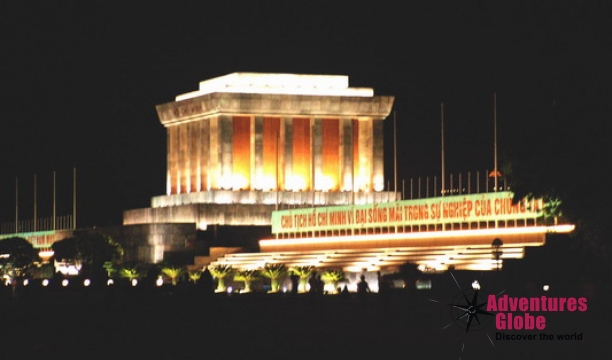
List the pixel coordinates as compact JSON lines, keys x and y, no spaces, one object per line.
{"x":468,"y":310}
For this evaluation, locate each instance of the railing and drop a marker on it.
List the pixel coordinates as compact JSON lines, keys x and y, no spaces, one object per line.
{"x":65,"y":222}
{"x":454,"y":184}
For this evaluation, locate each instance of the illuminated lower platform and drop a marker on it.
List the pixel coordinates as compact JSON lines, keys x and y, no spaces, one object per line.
{"x":227,"y":207}
{"x":432,"y":251}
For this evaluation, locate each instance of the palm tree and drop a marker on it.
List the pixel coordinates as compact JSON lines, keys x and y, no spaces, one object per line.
{"x":220,"y":272}
{"x":304,"y":273}
{"x":110,"y":269}
{"x":552,"y":210}
{"x":274,"y":272}
{"x":333,"y":277}
{"x":130,"y":273}
{"x":194,"y":275}
{"x":173,"y":273}
{"x":247,"y":276}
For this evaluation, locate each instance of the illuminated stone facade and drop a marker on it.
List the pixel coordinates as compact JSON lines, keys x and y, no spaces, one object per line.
{"x":263,"y":132}
{"x":245,"y":144}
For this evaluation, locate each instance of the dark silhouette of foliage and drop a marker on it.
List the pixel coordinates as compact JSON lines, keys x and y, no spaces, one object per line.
{"x":21,"y":253}
{"x":91,"y":249}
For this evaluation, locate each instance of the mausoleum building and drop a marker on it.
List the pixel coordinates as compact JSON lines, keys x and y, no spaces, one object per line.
{"x":245,"y":144}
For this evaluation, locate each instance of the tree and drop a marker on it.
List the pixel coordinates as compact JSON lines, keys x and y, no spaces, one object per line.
{"x":304,"y":273}
{"x":131,"y":273}
{"x":247,"y":277}
{"x":17,"y":255}
{"x":110,"y":269}
{"x":274,"y":272}
{"x":173,"y":273}
{"x":221,"y":272}
{"x":91,"y":249}
{"x":194,"y":276}
{"x":333,"y":277}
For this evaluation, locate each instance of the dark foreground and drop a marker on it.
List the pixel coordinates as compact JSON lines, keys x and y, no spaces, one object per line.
{"x":99,"y":324}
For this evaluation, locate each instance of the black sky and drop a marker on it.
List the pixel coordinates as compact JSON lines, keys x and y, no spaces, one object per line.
{"x":79,"y":81}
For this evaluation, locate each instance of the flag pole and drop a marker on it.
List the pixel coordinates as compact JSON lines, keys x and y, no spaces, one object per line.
{"x":495,"y":139}
{"x":35,"y":209}
{"x":74,"y":202}
{"x":16,"y":204}
{"x":442,"y":144}
{"x":395,"y":154}
{"x":54,"y":203}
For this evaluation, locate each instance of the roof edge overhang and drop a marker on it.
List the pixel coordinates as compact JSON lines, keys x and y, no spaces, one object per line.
{"x":216,"y":104}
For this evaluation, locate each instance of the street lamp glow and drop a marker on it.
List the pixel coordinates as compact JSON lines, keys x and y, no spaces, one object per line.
{"x":476,"y":285}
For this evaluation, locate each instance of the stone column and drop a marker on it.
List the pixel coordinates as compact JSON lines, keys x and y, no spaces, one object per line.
{"x":288,"y":152}
{"x":204,"y":165}
{"x":259,"y":163}
{"x":172,"y":160}
{"x":226,"y":153}
{"x":215,"y":154}
{"x":378,"y":171}
{"x":317,"y":153}
{"x":346,"y":151}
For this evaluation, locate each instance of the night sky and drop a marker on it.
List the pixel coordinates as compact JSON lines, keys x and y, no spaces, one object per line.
{"x":80,"y":80}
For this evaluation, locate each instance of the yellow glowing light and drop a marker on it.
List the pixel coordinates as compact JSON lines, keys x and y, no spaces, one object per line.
{"x":265,"y":183}
{"x":65,"y":282}
{"x":359,"y":268}
{"x":434,"y":266}
{"x":239,"y":182}
{"x":324,"y":183}
{"x":134,"y":282}
{"x":45,"y":282}
{"x":296,"y":183}
{"x":362,"y":183}
{"x":45,"y":253}
{"x":188,"y":176}
{"x":421,"y":235}
{"x":159,"y":281}
{"x":86,"y":282}
{"x":477,"y":266}
{"x":379,"y":183}
{"x":347,"y":183}
{"x":329,"y":288}
{"x":225,"y":182}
